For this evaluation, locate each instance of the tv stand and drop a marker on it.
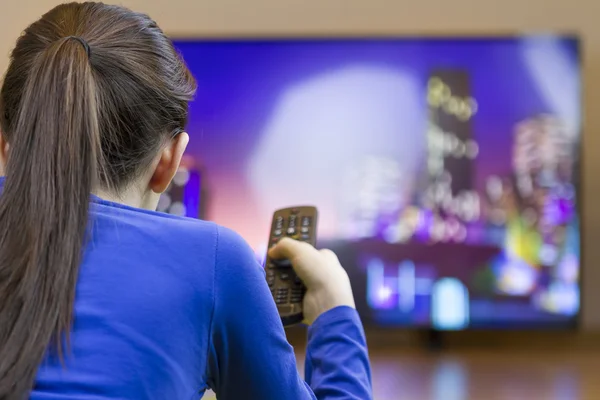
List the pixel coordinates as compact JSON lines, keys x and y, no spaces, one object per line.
{"x":434,"y":340}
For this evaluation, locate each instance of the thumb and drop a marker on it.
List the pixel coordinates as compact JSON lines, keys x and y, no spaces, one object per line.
{"x":303,"y":256}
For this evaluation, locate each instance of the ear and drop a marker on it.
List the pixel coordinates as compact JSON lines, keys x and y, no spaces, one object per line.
{"x":168,"y":163}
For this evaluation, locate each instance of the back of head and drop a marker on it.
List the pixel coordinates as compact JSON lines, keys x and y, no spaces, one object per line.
{"x":92,"y":93}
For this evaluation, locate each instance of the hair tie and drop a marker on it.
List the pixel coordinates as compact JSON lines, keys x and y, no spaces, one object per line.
{"x":82,"y":41}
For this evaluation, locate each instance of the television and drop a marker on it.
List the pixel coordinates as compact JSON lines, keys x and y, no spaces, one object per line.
{"x":445,"y":170}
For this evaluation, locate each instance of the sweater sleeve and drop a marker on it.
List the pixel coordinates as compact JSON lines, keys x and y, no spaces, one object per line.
{"x":337,"y":362}
{"x":249,"y":356}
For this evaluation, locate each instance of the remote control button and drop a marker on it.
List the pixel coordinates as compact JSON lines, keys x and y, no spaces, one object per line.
{"x":291,"y":231}
{"x":297,"y":295}
{"x":277,"y":232}
{"x":298,"y":281}
{"x":271,"y":282}
{"x":306,"y":221}
{"x":281,"y":295}
{"x":292,"y":221}
{"x":304,"y":229}
{"x":284,"y":276}
{"x":305,"y":237}
{"x":270,"y":273}
{"x":279,"y":222}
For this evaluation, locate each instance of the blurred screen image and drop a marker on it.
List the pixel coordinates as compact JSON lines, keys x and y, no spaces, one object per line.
{"x":445,"y":171}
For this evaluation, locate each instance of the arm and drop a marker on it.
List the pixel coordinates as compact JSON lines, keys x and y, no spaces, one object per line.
{"x":337,"y":361}
{"x":249,"y":356}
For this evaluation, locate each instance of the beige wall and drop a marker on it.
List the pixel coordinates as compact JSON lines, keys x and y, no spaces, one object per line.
{"x":229,"y":17}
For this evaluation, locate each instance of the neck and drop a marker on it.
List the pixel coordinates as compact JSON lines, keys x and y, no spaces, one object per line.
{"x":147,"y":200}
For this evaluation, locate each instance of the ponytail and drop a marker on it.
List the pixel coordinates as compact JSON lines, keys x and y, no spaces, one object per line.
{"x":50,"y":173}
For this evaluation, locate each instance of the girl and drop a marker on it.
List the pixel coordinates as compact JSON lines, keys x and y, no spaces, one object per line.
{"x":100,"y":296}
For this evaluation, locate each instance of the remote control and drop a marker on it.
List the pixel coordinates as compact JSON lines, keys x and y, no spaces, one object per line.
{"x":298,"y":223}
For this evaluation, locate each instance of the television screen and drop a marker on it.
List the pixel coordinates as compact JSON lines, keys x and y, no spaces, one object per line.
{"x":445,"y":171}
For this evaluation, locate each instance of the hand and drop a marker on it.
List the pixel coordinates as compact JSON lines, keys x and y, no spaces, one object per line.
{"x":327,"y":283}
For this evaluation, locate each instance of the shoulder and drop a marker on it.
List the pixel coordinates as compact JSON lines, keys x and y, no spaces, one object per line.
{"x":234,"y":253}
{"x":185,"y":239}
{"x":241,"y":289}
{"x":231,"y":243}
{"x":182,"y":243}
{"x":153,"y":223}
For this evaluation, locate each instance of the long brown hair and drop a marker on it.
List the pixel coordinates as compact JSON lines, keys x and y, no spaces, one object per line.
{"x":91,"y":94}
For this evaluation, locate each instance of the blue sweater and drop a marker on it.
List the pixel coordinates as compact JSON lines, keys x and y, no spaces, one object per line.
{"x":168,"y":307}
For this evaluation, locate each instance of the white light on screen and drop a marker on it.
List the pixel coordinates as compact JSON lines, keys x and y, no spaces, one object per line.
{"x":384,"y":293}
{"x":406,"y":286}
{"x":494,"y":188}
{"x":450,"y":305}
{"x":558,"y":79}
{"x":516,"y":277}
{"x":324,"y":125}
{"x":375,"y":279}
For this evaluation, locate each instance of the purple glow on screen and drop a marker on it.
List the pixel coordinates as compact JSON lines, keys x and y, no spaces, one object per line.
{"x":439,"y":158}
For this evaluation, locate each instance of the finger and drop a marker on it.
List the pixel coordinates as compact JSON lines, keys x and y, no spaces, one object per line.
{"x":302,"y":255}
{"x":329,"y":255}
{"x":287,"y":248}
